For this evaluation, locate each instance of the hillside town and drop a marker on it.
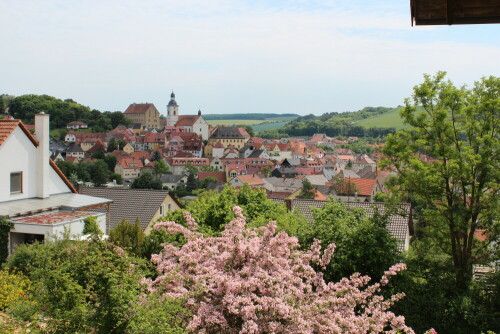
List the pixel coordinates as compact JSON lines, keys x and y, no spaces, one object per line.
{"x":227,"y":154}
{"x":326,"y":167}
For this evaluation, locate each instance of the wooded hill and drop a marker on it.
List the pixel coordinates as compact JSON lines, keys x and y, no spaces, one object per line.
{"x":338,"y":124}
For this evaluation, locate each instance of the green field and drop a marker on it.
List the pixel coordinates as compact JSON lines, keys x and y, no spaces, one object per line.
{"x":256,"y":124}
{"x":231,"y":122}
{"x":387,"y":120}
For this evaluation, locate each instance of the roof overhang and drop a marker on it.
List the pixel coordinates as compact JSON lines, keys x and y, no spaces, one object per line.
{"x":66,"y":201}
{"x":441,"y":12}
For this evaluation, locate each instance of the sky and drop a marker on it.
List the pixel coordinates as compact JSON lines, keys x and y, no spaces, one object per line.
{"x":233,"y":56}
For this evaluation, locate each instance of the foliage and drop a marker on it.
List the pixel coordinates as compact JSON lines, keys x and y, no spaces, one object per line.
{"x":112,"y":145}
{"x":128,"y":236}
{"x":308,"y":191}
{"x":430,"y":281}
{"x":249,"y":281}
{"x":333,"y":124}
{"x":190,"y":169}
{"x":99,"y":173}
{"x":343,"y":186}
{"x":214,"y":209}
{"x":191,"y":183}
{"x":5,"y":227}
{"x":62,"y":112}
{"x":117,"y":177}
{"x":13,"y":287}
{"x":161,"y":168}
{"x":156,"y":314}
{"x":147,"y":181}
{"x":156,"y":156}
{"x":90,"y":226}
{"x":448,"y":163}
{"x":364,"y":244}
{"x":81,"y":285}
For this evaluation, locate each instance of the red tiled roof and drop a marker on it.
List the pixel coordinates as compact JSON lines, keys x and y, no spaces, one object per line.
{"x":131,"y":163}
{"x":138,"y":108}
{"x":365,"y":186}
{"x":481,"y":235}
{"x":187,"y":120}
{"x":251,"y":179}
{"x":219,"y":176}
{"x":8,"y":126}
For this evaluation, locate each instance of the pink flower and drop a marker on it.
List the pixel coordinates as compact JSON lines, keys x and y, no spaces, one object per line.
{"x":257,"y":281}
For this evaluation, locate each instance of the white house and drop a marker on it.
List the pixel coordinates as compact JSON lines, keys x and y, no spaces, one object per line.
{"x":32,"y":185}
{"x":70,"y":137}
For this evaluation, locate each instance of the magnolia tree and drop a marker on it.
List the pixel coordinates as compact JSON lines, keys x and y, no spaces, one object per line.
{"x":257,"y":281}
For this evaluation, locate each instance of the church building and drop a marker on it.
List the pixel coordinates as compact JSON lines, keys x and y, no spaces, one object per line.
{"x":191,"y":123}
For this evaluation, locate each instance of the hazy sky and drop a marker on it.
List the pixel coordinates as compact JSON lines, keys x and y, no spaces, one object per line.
{"x":233,"y":56}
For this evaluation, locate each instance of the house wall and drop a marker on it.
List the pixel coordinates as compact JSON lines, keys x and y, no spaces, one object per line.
{"x":50,"y":231}
{"x":200,"y":127}
{"x":169,"y":205}
{"x":18,"y":154}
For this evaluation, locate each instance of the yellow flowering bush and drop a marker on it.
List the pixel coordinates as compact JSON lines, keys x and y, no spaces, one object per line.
{"x":13,"y":287}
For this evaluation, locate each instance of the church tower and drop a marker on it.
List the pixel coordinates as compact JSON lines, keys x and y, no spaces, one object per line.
{"x":172,"y":111}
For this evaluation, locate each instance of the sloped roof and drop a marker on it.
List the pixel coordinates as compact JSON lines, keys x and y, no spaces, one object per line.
{"x":365,"y":186}
{"x":6,"y":129}
{"x":251,"y":179}
{"x":186,"y":120}
{"x":228,"y":132}
{"x":74,"y":148}
{"x":219,"y":176}
{"x":399,"y":222}
{"x":130,"y":203}
{"x":9,"y":125}
{"x":138,"y":108}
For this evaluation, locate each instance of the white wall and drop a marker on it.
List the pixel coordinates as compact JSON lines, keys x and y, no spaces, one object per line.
{"x":75,"y":227}
{"x":18,"y":154}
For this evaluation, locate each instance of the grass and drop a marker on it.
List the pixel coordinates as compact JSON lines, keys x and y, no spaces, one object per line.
{"x":269,"y":126}
{"x":230,"y":122}
{"x":267,"y":123}
{"x":387,"y":120}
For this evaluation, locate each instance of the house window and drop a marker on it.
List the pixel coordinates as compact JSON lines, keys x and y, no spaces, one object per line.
{"x":162,"y":210}
{"x":16,"y":182}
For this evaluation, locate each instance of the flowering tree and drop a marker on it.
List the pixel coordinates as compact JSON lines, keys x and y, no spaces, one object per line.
{"x":257,"y":281}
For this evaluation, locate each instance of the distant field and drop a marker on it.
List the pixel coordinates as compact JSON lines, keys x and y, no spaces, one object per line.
{"x":230,"y":122}
{"x":387,"y":120}
{"x":257,"y":124}
{"x":269,"y":126}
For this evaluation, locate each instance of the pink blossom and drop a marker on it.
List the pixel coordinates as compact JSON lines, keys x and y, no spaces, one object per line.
{"x":259,"y":281}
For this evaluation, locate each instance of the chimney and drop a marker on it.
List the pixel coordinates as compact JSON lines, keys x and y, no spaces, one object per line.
{"x":42,"y":155}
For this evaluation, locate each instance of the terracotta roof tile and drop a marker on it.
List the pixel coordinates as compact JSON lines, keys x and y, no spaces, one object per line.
{"x":8,"y":126}
{"x":138,"y":108}
{"x":365,"y":186}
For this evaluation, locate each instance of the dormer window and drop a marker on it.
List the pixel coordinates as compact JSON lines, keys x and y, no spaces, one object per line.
{"x":16,"y":183}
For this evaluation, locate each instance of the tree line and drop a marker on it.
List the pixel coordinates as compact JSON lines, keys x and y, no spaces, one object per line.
{"x":62,"y":112}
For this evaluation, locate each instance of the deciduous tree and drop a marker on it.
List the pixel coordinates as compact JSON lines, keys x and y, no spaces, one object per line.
{"x":248,"y":281}
{"x":448,"y":163}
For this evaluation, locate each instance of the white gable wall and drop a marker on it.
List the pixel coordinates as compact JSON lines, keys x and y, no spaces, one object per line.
{"x":18,"y":154}
{"x":56,"y":184}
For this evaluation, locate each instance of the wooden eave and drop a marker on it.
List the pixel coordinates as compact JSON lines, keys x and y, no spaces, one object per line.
{"x":449,"y":12}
